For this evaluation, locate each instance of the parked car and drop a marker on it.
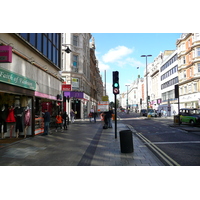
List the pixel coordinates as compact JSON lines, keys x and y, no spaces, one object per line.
{"x":191,"y":116}
{"x":153,"y":113}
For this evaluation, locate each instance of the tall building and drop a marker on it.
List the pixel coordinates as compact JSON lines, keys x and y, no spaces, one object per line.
{"x":30,"y":80}
{"x":188,"y":47}
{"x":80,"y":72}
{"x":169,"y":78}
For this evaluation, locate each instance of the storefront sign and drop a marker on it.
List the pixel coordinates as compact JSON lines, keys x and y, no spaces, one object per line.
{"x":78,"y":95}
{"x":46,"y":96}
{"x":16,"y":79}
{"x":86,"y":97}
{"x":5,"y":54}
{"x":66,"y":87}
{"x":75,"y":83}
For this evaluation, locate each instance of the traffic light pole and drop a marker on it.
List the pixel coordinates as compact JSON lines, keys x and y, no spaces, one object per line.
{"x":115,"y":116}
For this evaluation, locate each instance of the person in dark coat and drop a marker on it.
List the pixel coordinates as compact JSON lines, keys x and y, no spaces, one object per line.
{"x":46,"y":122}
{"x":65,"y":117}
{"x":110,"y":113}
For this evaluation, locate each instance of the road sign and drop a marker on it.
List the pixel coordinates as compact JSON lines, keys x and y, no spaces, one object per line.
{"x":116,"y":91}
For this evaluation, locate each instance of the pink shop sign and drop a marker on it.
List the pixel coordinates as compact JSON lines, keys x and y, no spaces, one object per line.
{"x":5,"y":54}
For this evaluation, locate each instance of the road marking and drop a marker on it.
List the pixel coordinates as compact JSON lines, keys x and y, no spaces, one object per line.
{"x":181,"y":142}
{"x":167,"y":159}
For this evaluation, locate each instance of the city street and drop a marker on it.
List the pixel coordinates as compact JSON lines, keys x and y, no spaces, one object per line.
{"x":181,"y":143}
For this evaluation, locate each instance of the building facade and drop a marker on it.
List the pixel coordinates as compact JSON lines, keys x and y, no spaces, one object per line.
{"x":188,"y":47}
{"x":168,"y":80}
{"x":29,"y":82}
{"x":80,"y":71}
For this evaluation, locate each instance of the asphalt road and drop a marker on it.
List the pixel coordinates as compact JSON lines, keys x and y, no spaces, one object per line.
{"x":178,"y":143}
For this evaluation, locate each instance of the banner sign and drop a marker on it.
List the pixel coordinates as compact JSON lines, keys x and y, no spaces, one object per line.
{"x":66,"y":87}
{"x":5,"y":54}
{"x":16,"y":79}
{"x":103,"y":106}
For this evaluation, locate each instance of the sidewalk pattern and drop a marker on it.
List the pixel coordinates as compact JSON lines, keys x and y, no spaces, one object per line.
{"x":83,"y":144}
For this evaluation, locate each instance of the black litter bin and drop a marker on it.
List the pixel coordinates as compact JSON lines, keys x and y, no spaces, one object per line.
{"x":176,"y":119}
{"x":126,"y":141}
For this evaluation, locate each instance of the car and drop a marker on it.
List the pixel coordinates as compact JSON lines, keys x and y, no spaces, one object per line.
{"x":153,"y":113}
{"x":143,"y":112}
{"x":190,"y":115}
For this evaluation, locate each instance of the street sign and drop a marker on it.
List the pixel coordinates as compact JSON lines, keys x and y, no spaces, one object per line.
{"x":66,"y":87}
{"x":116,"y":91}
{"x":105,"y":98}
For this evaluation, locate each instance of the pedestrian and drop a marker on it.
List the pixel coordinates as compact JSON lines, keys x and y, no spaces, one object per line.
{"x":164,"y":113}
{"x":90,"y":116}
{"x":105,"y":126}
{"x":109,"y":115}
{"x":59,"y":120}
{"x":95,"y":116}
{"x":72,"y":114}
{"x":102,"y":117}
{"x":65,"y":117}
{"x":161,"y":112}
{"x":46,"y":117}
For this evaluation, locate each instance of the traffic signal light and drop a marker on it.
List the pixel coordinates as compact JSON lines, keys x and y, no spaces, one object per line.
{"x":115,"y":82}
{"x":176,"y":89}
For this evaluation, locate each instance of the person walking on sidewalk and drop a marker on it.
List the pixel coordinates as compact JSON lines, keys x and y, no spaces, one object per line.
{"x":65,"y":117}
{"x":90,"y":116}
{"x":46,"y":117}
{"x":59,"y":120}
{"x":95,"y":116}
{"x":109,"y":115}
{"x":72,"y":114}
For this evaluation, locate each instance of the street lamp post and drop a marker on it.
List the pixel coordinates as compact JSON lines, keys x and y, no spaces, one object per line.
{"x":127,"y":98}
{"x":146,"y":81}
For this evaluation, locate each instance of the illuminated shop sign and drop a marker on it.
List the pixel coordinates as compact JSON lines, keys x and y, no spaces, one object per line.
{"x":16,"y":79}
{"x":5,"y":54}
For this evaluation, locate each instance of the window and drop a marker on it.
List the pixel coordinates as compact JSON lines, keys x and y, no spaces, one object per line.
{"x":198,"y":52}
{"x":24,"y":35}
{"x":47,"y":43}
{"x":75,"y":61}
{"x":75,"y":40}
{"x":184,"y":74}
{"x":195,"y":87}
{"x":39,"y":42}
{"x":33,"y":39}
{"x":197,"y":36}
{"x":198,"y":65}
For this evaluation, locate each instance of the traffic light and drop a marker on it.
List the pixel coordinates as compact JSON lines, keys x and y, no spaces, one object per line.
{"x":115,"y":82}
{"x":176,"y":89}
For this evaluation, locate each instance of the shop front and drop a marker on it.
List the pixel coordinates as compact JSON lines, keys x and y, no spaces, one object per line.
{"x":75,"y":102}
{"x":43,"y":102}
{"x":16,"y":104}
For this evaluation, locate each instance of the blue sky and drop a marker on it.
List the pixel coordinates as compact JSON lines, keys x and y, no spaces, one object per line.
{"x":122,"y":52}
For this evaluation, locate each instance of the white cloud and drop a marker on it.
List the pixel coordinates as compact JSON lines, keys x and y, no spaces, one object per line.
{"x":102,"y":66}
{"x":116,"y":54}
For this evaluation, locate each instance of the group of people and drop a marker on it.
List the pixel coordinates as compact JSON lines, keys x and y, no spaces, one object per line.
{"x":61,"y":120}
{"x":106,"y":118}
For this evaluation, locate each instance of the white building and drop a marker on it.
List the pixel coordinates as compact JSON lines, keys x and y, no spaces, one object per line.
{"x":169,"y":78}
{"x":80,"y":71}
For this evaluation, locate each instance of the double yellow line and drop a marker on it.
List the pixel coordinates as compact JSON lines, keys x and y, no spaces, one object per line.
{"x":168,"y":160}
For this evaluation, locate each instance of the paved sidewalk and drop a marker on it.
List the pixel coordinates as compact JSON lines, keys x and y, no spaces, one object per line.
{"x":83,"y":144}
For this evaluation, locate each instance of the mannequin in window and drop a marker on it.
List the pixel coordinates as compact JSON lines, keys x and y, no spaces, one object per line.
{"x":18,"y":111}
{"x":3,"y":124}
{"x":11,"y":119}
{"x":27,"y":120}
